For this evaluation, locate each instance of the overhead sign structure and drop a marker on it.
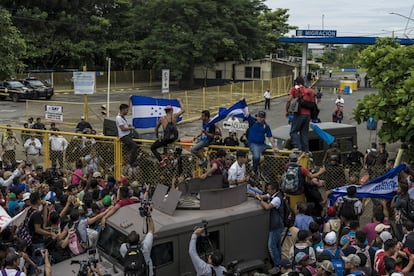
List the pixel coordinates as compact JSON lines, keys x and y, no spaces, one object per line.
{"x":165,"y":81}
{"x":84,"y":83}
{"x":325,"y":33}
{"x":54,"y":113}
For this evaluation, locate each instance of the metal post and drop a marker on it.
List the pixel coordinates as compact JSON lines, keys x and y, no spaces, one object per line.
{"x":109,"y":87}
{"x":304,"y":59}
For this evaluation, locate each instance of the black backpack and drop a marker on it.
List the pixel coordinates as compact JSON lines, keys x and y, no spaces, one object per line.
{"x":135,"y":264}
{"x":170,"y":132}
{"x":347,"y":209}
{"x":288,"y":214}
{"x":372,"y":158}
{"x":293,"y":180}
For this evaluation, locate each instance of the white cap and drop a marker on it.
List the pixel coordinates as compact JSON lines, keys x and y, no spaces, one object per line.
{"x":26,"y":196}
{"x":96,"y":174}
{"x":82,"y":117}
{"x":330,"y":238}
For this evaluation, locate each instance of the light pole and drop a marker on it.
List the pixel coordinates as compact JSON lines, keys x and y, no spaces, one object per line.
{"x":406,"y":17}
{"x":109,"y":87}
{"x":323,"y":21}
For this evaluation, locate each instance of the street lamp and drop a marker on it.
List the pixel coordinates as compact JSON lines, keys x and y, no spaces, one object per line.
{"x":406,"y":17}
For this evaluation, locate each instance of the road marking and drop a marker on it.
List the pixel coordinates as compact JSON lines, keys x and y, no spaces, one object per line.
{"x":8,"y":110}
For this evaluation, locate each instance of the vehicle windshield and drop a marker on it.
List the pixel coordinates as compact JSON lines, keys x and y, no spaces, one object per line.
{"x":15,"y":84}
{"x":35,"y":83}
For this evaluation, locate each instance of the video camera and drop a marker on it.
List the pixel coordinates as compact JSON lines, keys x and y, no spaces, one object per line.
{"x":85,"y":264}
{"x":204,"y":225}
{"x":145,"y":209}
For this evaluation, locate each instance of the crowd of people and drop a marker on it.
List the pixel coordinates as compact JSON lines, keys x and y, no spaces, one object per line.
{"x":66,"y":207}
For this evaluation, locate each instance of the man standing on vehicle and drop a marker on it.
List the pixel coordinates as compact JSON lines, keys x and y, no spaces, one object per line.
{"x":145,"y":246}
{"x":273,"y":201}
{"x":301,"y":119}
{"x":125,"y":134}
{"x":213,"y":265}
{"x":257,"y":133}
{"x":168,"y":123}
{"x":206,"y":136}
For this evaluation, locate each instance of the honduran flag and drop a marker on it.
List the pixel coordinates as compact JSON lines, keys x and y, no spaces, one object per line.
{"x":239,"y":109}
{"x":146,"y":110}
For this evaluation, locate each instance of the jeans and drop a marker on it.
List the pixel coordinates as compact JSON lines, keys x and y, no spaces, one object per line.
{"x":132,"y":147}
{"x":158,"y":144}
{"x":299,"y":132}
{"x":37,"y":259}
{"x":197,"y":147}
{"x":267,"y":104}
{"x":274,"y":245}
{"x":257,"y":150}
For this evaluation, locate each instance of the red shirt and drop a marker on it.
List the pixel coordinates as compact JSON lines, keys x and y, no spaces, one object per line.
{"x":308,"y":94}
{"x":126,"y":201}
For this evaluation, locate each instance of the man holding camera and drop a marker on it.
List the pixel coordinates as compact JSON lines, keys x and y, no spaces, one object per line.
{"x":213,"y":265}
{"x":133,"y":249}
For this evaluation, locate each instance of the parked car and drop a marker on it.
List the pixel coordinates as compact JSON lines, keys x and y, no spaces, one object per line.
{"x":40,"y":90}
{"x":15,"y":90}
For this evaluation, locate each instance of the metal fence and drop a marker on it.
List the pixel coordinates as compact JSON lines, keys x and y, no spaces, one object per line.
{"x":210,"y":98}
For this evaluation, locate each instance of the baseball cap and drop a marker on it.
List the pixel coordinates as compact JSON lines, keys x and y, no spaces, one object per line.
{"x":327,"y":266}
{"x":107,"y":200}
{"x":331,"y":211}
{"x":82,"y":117}
{"x":330,"y":238}
{"x":301,"y":256}
{"x":261,"y":114}
{"x":7,"y":174}
{"x":134,"y":184}
{"x":381,"y":227}
{"x":97,"y":174}
{"x":385,"y":236}
{"x":26,"y":196}
{"x":353,"y":259}
{"x":293,"y":157}
{"x":168,"y":107}
{"x":12,"y":196}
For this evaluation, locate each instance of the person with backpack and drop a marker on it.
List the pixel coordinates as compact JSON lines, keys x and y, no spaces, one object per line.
{"x":361,"y":246}
{"x":77,"y":240}
{"x":370,"y":157}
{"x":293,"y":180}
{"x":136,"y":254}
{"x":32,"y":230}
{"x":333,"y":253}
{"x":273,"y":201}
{"x":214,"y":260}
{"x":302,"y":245}
{"x":301,"y":117}
{"x":12,"y":265}
{"x":349,"y":207}
{"x":168,"y":123}
{"x":352,"y":263}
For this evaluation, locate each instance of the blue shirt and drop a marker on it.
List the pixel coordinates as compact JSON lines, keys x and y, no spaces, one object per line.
{"x":302,"y":221}
{"x":258,"y":132}
{"x":211,"y":130}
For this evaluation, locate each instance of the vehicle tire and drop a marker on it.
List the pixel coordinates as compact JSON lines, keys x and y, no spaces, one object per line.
{"x":15,"y":97}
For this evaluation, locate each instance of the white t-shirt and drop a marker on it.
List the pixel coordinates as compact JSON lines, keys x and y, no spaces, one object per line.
{"x":119,"y":122}
{"x":340,"y":101}
{"x":236,"y":172}
{"x":266,"y":94}
{"x":12,"y":272}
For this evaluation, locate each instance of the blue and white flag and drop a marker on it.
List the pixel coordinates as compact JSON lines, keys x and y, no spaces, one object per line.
{"x":146,"y":110}
{"x":383,"y":187}
{"x":239,"y":109}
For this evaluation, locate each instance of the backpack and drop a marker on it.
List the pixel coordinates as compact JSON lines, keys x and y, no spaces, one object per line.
{"x":305,"y":103}
{"x":134,"y":264}
{"x":372,"y":157}
{"x":76,"y":245}
{"x":312,"y":270}
{"x":297,"y":250}
{"x":347,"y":209}
{"x":332,"y":225}
{"x":23,"y":231}
{"x":288,"y":215}
{"x":4,"y":273}
{"x":364,"y":251}
{"x":171,"y":132}
{"x":292,"y":180}
{"x":337,"y":261}
{"x":371,"y":124}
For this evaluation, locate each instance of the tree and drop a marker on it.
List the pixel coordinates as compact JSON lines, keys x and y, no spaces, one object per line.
{"x":391,"y":69}
{"x":12,"y":47}
{"x":180,"y":34}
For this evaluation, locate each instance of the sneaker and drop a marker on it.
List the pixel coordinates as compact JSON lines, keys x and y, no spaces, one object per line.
{"x":274,"y":271}
{"x":203,"y":162}
{"x":162,"y":163}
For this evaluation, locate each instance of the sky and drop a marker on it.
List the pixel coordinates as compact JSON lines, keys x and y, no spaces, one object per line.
{"x":350,"y":18}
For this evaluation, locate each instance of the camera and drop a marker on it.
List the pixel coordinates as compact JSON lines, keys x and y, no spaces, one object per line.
{"x":145,"y":209}
{"x":204,"y":225}
{"x":85,"y":264}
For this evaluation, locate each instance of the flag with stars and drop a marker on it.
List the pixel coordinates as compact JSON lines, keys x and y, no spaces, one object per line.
{"x":146,"y":110}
